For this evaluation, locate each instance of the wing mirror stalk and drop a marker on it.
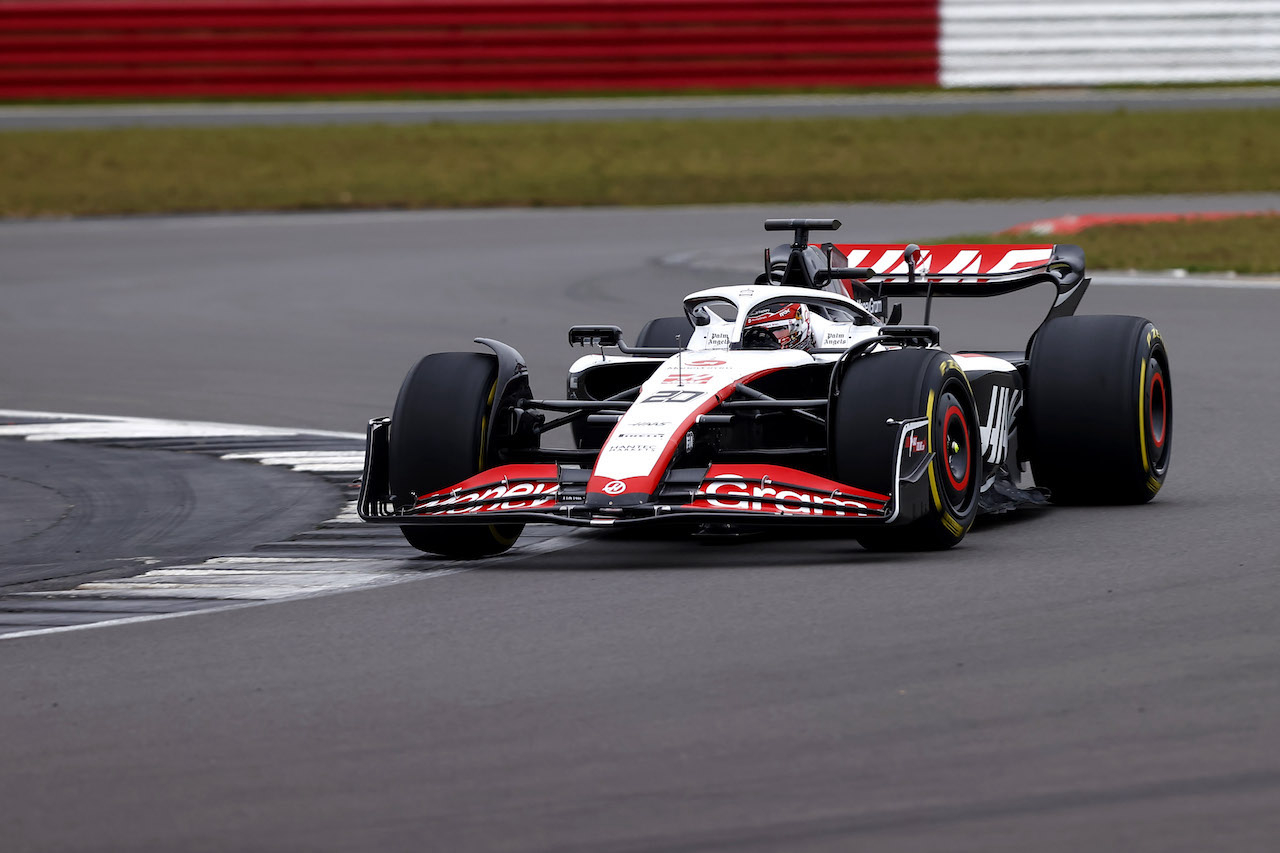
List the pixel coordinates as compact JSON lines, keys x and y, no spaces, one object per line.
{"x":611,"y":336}
{"x":595,"y":336}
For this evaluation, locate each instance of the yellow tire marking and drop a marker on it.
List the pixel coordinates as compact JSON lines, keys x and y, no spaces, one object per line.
{"x":933,"y":478}
{"x":1142,"y":399}
{"x":952,"y":525}
{"x":505,"y":540}
{"x":484,"y":420}
{"x":948,"y":521}
{"x":950,"y":364}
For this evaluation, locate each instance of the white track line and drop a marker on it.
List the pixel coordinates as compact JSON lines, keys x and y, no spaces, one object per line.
{"x":387,"y":572}
{"x":153,"y":617}
{"x":315,"y":461}
{"x":98,"y":430}
{"x":348,"y":515}
{"x":148,"y":427}
{"x":1178,"y":278}
{"x":240,"y":581}
{"x":292,"y":457}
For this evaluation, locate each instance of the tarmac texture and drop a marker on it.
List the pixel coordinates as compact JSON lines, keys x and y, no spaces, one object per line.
{"x":1065,"y":680}
{"x":213,"y":114}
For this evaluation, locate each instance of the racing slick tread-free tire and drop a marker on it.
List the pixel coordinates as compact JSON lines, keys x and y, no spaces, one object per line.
{"x":1099,"y":410}
{"x":898,"y":385}
{"x":666,"y":332}
{"x":438,"y":438}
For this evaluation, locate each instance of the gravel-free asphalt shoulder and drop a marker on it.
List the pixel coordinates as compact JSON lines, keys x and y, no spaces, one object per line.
{"x":1068,"y":679}
{"x":52,"y":117}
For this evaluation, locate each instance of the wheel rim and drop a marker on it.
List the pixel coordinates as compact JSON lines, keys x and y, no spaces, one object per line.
{"x":1157,"y":405}
{"x":1158,"y":413}
{"x":956,"y":453}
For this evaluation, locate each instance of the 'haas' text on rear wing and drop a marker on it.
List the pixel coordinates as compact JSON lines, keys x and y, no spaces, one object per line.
{"x":967,"y":270}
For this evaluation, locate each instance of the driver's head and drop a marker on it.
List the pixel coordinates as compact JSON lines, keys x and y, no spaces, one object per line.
{"x":789,"y":327}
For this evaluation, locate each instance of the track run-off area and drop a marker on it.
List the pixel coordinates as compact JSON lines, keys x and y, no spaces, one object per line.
{"x":1066,"y":679}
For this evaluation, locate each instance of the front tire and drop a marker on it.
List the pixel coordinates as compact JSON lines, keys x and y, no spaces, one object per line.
{"x":439,"y":437}
{"x":1099,"y":410}
{"x":906,"y":384}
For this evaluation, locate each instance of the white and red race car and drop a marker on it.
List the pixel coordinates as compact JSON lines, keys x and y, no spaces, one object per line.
{"x":795,"y":399}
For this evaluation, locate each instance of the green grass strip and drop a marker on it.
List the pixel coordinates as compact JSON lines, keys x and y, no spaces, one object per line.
{"x":635,"y":162}
{"x":1248,"y":245}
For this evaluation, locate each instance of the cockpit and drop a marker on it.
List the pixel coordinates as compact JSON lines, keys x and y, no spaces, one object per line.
{"x":771,"y":317}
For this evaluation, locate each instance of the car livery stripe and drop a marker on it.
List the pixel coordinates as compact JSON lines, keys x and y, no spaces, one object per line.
{"x":602,"y":483}
{"x":778,"y":490}
{"x":505,"y":488}
{"x":889,"y":259}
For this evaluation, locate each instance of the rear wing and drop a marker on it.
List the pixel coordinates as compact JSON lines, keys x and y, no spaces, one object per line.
{"x":967,"y":270}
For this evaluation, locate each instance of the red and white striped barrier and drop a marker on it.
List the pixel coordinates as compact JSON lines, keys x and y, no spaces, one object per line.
{"x":192,"y":48}
{"x":113,"y":48}
{"x":1097,"y":42}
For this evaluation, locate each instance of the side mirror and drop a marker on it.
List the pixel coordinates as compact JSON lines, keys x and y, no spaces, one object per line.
{"x":594,"y":336}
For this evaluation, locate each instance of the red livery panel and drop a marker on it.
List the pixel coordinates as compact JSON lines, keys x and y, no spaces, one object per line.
{"x":947,"y":260}
{"x":509,"y":488}
{"x":778,"y":490}
{"x":768,"y":489}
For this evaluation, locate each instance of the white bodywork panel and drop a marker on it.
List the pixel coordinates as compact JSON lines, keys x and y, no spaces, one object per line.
{"x":995,"y":415}
{"x":695,"y":381}
{"x":683,"y":387}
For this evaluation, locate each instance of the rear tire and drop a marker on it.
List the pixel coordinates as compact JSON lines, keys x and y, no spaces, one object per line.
{"x":666,"y":332}
{"x":1099,"y":410}
{"x":439,"y":433}
{"x":902,"y":385}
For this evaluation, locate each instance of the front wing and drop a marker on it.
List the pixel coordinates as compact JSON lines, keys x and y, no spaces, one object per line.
{"x":755,"y":494}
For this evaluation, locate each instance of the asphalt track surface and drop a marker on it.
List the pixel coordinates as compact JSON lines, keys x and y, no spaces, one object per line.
{"x":621,"y":108}
{"x":70,"y":509}
{"x":1068,"y":679}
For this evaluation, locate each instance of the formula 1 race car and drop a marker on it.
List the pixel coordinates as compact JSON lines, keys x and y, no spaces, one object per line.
{"x":796,"y":399}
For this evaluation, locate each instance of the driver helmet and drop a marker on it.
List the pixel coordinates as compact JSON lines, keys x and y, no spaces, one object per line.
{"x":789,"y":325}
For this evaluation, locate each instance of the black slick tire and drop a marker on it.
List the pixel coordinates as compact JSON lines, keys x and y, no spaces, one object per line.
{"x":901,"y":385}
{"x":438,"y":438}
{"x":1099,"y":410}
